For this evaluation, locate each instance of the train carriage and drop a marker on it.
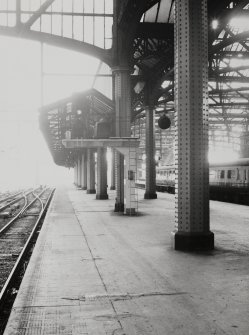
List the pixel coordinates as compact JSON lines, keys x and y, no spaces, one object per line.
{"x":229,"y":181}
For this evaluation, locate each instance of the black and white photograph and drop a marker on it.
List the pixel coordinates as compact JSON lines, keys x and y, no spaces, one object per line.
{"x":124,"y":167}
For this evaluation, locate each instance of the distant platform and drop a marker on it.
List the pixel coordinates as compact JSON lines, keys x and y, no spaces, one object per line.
{"x":122,"y":142}
{"x":97,"y":272}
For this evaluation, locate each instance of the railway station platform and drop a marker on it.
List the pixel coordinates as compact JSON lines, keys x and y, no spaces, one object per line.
{"x":97,"y":272}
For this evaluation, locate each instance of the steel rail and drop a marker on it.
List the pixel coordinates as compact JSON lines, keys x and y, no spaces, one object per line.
{"x":14,"y":201}
{"x":24,"y":208}
{"x":24,"y":251}
{"x":10,"y":196}
{"x":39,"y":199}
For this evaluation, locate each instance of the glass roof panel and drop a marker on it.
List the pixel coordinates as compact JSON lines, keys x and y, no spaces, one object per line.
{"x":162,"y":12}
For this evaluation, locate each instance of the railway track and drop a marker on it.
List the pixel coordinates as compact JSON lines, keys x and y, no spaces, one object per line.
{"x":8,"y":205}
{"x":8,"y":197}
{"x":17,"y":238}
{"x":14,"y":205}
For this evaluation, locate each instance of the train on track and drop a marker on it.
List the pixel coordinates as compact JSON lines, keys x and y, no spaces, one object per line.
{"x":228,"y":181}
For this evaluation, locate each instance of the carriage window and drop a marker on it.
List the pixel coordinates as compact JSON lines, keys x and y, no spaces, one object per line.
{"x":211,"y":174}
{"x":222,"y":174}
{"x":229,"y":174}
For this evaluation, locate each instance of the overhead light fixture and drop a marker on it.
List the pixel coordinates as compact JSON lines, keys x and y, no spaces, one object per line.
{"x":215,"y":24}
{"x":139,"y":86}
{"x":165,"y":83}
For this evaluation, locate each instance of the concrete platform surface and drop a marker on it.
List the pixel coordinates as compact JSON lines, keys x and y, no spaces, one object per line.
{"x":97,"y":272}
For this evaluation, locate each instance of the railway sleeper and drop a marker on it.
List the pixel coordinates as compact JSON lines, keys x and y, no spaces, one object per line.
{"x":5,"y":215}
{"x":15,"y":207}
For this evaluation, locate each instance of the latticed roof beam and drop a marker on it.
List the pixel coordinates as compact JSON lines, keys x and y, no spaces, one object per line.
{"x":243,"y":96}
{"x":238,"y":11}
{"x":232,"y":69}
{"x":230,"y":104}
{"x":230,"y":122}
{"x":224,"y":14}
{"x":231,"y":54}
{"x":233,"y":35}
{"x":228,"y":41}
{"x":229,"y":116}
{"x":225,"y":79}
{"x":228,"y":90}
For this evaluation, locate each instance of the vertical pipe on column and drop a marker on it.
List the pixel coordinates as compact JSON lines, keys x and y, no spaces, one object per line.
{"x":80,"y":172}
{"x":84,"y":171}
{"x":75,"y":172}
{"x":101,"y":174}
{"x":150,"y":182}
{"x":112,"y":187}
{"x":119,"y":178}
{"x":191,"y":144}
{"x":90,"y":172}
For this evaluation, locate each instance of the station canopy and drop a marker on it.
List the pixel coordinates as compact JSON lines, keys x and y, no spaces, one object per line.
{"x":76,"y":117}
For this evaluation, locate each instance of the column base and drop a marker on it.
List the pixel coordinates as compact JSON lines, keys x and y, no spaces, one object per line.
{"x":148,"y":195}
{"x":192,"y":241}
{"x":112,"y":188}
{"x":101,"y":196}
{"x":130,"y":211}
{"x":119,"y":207}
{"x":84,"y":188}
{"x":91,"y":191}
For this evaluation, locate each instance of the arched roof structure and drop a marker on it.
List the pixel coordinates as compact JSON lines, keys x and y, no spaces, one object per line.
{"x":147,"y":31}
{"x":68,"y":24}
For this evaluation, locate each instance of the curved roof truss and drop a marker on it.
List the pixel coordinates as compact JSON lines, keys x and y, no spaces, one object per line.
{"x":83,"y":26}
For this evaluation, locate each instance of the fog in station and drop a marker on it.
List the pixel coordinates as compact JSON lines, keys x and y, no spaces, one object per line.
{"x":32,"y":75}
{"x":28,"y":80}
